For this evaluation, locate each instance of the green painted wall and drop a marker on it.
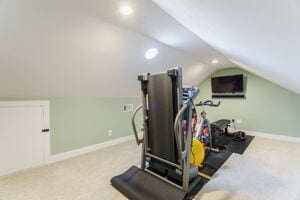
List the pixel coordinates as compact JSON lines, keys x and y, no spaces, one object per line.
{"x":76,"y":123}
{"x":267,"y":108}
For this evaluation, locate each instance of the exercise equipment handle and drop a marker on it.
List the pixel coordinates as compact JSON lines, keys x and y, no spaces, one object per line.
{"x":208,"y":103}
{"x":138,"y":141}
{"x":177,"y":126}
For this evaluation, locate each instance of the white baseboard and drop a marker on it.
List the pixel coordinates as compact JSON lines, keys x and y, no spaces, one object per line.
{"x":274,"y":136}
{"x":84,"y":150}
{"x":271,"y":136}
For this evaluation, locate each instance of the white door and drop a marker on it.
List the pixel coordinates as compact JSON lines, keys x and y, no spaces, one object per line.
{"x":21,"y":138}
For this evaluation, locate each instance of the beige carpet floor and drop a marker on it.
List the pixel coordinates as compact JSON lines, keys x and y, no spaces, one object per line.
{"x":269,"y":170}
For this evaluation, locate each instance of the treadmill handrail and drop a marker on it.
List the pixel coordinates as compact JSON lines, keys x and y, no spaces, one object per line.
{"x":138,"y":141}
{"x":179,"y":114}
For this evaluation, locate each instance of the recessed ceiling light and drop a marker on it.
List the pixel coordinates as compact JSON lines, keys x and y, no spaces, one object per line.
{"x":151,"y":53}
{"x":126,"y":10}
{"x":215,"y":61}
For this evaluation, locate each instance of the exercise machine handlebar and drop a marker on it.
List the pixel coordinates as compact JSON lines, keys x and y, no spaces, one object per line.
{"x":208,"y":103}
{"x":177,"y":127}
{"x":138,"y":141}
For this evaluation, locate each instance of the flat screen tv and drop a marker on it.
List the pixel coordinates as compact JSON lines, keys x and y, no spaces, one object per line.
{"x":228,"y":86}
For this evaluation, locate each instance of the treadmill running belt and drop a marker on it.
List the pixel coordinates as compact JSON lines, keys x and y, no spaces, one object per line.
{"x":137,"y":184}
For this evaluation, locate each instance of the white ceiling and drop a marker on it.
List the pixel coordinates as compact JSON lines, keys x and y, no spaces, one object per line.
{"x":262,"y":36}
{"x":74,"y":48}
{"x":150,"y":20}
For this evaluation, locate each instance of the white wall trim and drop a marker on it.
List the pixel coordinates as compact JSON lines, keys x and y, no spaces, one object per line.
{"x":28,"y":103}
{"x":46,"y":119}
{"x":270,"y":136}
{"x":84,"y":150}
{"x":274,"y":136}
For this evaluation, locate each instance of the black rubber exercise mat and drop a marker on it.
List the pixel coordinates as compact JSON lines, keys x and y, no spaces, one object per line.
{"x":137,"y":184}
{"x":214,"y":161}
{"x":234,"y":146}
{"x":191,"y":195}
{"x":239,"y":147}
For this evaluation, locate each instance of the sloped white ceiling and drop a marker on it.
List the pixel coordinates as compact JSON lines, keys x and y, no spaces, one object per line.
{"x":150,"y":20}
{"x":72,"y":48}
{"x":262,"y":36}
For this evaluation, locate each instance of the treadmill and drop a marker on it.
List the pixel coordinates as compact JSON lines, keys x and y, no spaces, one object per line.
{"x":165,"y":172}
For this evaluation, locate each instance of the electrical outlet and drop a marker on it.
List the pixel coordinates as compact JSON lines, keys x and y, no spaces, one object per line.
{"x":109,"y":132}
{"x":237,"y":121}
{"x":128,"y":107}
